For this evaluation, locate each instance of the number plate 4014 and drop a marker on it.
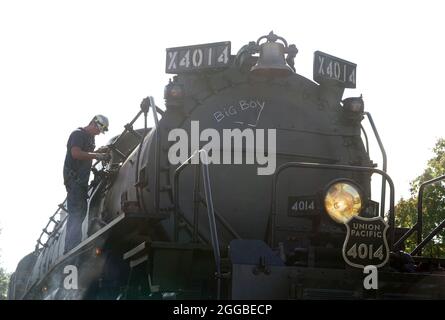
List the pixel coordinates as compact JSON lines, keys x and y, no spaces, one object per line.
{"x":300,"y":206}
{"x":199,"y":57}
{"x":333,"y":70}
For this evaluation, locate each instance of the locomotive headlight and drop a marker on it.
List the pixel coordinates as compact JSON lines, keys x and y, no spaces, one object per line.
{"x":343,"y":201}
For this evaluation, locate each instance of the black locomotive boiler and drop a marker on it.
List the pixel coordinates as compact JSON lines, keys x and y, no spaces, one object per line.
{"x":196,"y":229}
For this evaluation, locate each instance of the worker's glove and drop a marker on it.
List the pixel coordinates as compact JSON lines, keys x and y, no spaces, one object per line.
{"x":103,"y":156}
{"x":103,"y":149}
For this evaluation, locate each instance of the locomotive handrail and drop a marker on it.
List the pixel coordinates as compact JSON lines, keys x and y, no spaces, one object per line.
{"x":196,"y":203}
{"x":157,"y":153}
{"x":210,"y":210}
{"x":366,"y":139}
{"x":419,"y":224}
{"x":330,"y":167}
{"x":144,"y":109}
{"x":406,"y":235}
{"x":384,"y":159}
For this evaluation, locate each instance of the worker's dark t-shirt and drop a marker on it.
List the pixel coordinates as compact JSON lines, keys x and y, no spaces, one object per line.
{"x":78,"y":170}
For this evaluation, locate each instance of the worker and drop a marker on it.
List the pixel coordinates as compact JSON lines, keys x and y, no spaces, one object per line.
{"x":76,"y":174}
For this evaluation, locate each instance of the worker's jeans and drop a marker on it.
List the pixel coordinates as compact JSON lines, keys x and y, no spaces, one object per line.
{"x":77,"y":208}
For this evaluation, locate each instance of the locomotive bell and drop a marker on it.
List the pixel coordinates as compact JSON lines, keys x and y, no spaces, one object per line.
{"x":272,"y":61}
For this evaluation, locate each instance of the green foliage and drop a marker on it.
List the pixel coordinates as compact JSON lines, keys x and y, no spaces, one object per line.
{"x":433,"y":204}
{"x":4,"y":280}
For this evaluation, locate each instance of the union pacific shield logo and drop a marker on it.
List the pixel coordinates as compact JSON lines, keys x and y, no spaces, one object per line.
{"x":366,"y":243}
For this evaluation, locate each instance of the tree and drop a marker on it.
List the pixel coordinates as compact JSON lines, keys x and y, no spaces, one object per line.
{"x":4,"y":281}
{"x":433,"y":204}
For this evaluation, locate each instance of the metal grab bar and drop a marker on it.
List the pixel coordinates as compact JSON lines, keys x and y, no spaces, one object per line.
{"x":384,"y":159}
{"x":419,"y":224}
{"x":366,"y":139}
{"x":210,"y":210}
{"x":144,"y":109}
{"x":330,"y":167}
{"x":157,"y":152}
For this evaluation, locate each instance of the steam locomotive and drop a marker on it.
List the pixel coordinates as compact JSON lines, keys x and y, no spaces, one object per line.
{"x":165,"y":226}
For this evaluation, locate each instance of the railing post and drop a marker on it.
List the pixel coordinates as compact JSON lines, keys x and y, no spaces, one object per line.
{"x":157,"y":153}
{"x":420,"y":242}
{"x":196,"y":202}
{"x":384,"y":160}
{"x":366,"y":139}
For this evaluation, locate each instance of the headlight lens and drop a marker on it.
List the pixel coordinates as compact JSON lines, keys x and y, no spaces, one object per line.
{"x":342,"y":201}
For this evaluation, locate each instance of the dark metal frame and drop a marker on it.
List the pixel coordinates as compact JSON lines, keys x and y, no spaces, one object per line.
{"x":421,"y":243}
{"x":288,"y":165}
{"x":418,"y":226}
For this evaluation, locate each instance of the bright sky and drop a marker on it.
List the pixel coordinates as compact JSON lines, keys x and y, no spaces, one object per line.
{"x":61,"y":62}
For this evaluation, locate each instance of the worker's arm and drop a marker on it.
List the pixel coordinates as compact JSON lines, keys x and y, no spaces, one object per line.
{"x":79,"y":154}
